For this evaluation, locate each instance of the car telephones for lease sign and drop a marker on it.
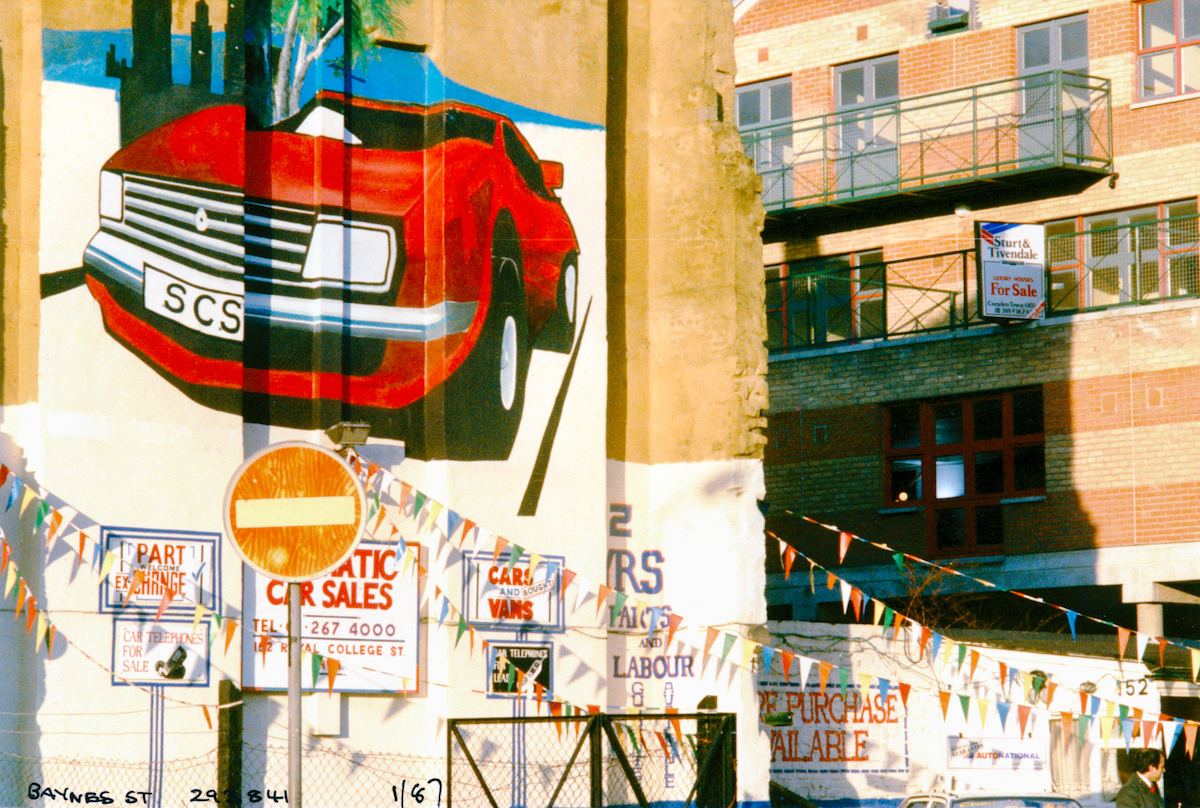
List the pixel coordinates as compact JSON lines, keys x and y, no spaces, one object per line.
{"x":1012,"y":270}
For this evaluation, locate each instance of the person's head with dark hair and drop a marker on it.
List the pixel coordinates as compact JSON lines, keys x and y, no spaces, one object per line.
{"x":1148,"y":763}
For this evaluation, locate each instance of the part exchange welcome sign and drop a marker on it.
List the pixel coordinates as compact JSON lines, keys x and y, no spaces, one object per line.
{"x":1012,"y":270}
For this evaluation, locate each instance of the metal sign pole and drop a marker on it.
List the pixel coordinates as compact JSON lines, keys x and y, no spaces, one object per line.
{"x":294,"y":654}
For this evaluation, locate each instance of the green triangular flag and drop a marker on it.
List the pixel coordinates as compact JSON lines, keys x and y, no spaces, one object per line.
{"x":462,"y":628}
{"x":515,"y":555}
{"x":899,"y":559}
{"x":729,"y":641}
{"x":316,"y":666}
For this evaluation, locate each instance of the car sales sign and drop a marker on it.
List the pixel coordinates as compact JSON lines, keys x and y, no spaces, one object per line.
{"x":1012,"y":270}
{"x":363,"y":614}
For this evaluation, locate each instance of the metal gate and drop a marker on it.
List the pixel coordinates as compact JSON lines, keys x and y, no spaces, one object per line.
{"x":592,"y":761}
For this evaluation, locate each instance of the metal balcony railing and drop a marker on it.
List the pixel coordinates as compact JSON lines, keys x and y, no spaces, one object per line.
{"x":821,"y":303}
{"x":1056,"y":119}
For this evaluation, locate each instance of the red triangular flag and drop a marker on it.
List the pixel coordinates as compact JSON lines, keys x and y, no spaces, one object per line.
{"x":904,"y":690}
{"x":567,"y":577}
{"x":785,"y":659}
{"x":674,"y":621}
{"x":843,"y":545}
{"x":1023,"y":716}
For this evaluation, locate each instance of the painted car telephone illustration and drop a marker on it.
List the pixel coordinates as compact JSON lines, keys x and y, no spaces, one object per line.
{"x":363,"y":259}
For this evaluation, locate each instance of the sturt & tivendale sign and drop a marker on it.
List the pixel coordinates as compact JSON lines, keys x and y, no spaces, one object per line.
{"x":1012,"y":270}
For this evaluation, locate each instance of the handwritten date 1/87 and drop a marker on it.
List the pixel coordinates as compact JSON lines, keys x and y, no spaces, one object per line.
{"x":417,"y":792}
{"x":229,"y":797}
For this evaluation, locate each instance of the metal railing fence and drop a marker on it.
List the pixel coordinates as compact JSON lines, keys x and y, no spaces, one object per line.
{"x":1056,"y":118}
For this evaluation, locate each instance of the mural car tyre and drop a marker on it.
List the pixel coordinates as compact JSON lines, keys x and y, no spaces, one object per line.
{"x":485,"y":397}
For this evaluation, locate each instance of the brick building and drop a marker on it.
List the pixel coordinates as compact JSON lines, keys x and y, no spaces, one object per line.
{"x":1053,"y":456}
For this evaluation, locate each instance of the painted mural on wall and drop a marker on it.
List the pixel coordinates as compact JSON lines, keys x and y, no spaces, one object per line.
{"x":327,"y":230}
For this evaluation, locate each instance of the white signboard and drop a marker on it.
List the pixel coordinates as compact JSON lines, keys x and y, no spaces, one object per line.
{"x":1008,"y":754}
{"x":1012,"y":270}
{"x":182,"y":561}
{"x":500,"y":595}
{"x":167,"y":653}
{"x":364,"y":615}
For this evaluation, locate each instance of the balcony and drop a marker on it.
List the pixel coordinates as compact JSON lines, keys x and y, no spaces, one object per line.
{"x":824,"y":303}
{"x":1005,"y":141}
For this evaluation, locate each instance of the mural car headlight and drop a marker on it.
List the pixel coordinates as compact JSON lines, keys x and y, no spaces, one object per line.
{"x":372,"y":247}
{"x":112,"y":195}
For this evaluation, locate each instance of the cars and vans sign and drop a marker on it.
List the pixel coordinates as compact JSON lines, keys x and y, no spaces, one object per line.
{"x":1012,"y":270}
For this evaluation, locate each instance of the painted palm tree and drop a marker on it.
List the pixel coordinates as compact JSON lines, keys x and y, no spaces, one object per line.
{"x":309,"y":26}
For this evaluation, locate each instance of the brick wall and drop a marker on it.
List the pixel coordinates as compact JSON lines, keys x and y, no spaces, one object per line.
{"x":1122,"y":409}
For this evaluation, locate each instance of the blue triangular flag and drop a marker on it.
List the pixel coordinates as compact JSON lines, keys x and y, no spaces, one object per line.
{"x":1071,"y":619}
{"x":14,"y":492}
{"x":933,"y":649}
{"x":1002,"y":708}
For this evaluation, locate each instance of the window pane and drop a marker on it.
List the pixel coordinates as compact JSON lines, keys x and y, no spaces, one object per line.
{"x":1027,"y":412}
{"x":951,"y":528}
{"x":748,"y":108}
{"x":1182,"y":228}
{"x":948,"y":423}
{"x":870,"y":318}
{"x":1189,"y":55}
{"x":887,"y":79}
{"x":1158,"y":23}
{"x":989,"y":525}
{"x":948,"y":472}
{"x":988,"y":419}
{"x":1191,"y":19}
{"x":1060,"y":241}
{"x":1029,"y":467}
{"x":1157,"y":74}
{"x":989,"y":472}
{"x":1073,"y":41}
{"x":851,"y":88}
{"x":906,"y":480}
{"x":906,"y":426}
{"x":781,"y":102}
{"x":1035,"y":48}
{"x":1185,"y":275}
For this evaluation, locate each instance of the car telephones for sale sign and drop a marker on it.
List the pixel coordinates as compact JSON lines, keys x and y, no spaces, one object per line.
{"x":1012,"y":270}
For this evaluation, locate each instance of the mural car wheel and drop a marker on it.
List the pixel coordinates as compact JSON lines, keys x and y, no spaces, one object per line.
{"x":568,"y":289}
{"x":485,"y":397}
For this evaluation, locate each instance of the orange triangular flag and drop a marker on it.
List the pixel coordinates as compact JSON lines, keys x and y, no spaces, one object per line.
{"x":207,"y":717}
{"x":856,"y":597}
{"x":789,"y":558}
{"x":944,"y":697}
{"x":168,"y":596}
{"x":843,"y":545}
{"x":55,"y":522}
{"x":332,"y":665}
{"x":230,"y":626}
{"x":974,"y":664}
{"x":500,"y":545}
{"x":926,"y":634}
{"x":1122,"y":641}
{"x":831,"y":580}
{"x":710,"y":637}
{"x":904,"y":690}
{"x":605,"y":591}
{"x":1189,"y":734}
{"x":31,"y":615}
{"x":1162,"y":650}
{"x":50,"y":641}
{"x":538,"y":690}
{"x":824,"y":672}
{"x":20,"y":598}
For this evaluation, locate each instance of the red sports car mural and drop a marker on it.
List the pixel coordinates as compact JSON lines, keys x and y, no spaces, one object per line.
{"x":387,"y":262}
